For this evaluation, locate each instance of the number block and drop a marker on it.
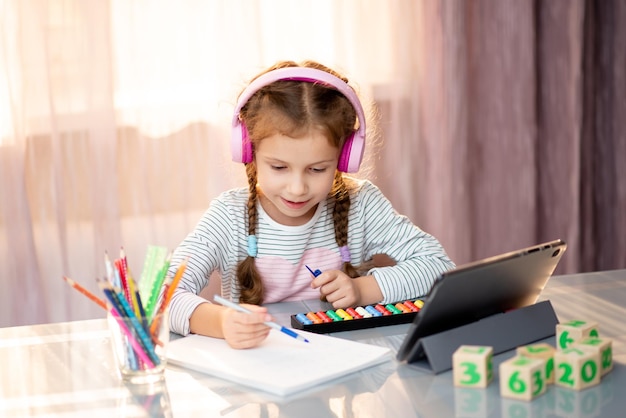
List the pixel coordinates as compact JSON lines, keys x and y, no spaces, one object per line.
{"x":472,"y":366}
{"x":522,"y":378}
{"x":577,"y":367}
{"x":604,"y":346}
{"x":569,"y":332}
{"x":543,"y":351}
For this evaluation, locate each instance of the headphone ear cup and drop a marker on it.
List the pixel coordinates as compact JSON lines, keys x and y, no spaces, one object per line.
{"x":351,"y":154}
{"x":344,"y":157}
{"x":240,"y":145}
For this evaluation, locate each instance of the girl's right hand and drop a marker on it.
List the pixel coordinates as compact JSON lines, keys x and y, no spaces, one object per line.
{"x":243,"y":330}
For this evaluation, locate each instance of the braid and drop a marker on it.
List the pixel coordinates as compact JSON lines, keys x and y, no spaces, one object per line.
{"x":294,"y":108}
{"x":340,"y":218}
{"x":250,"y":283}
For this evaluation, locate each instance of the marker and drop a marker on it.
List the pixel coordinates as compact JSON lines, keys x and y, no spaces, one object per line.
{"x":314,"y":273}
{"x":270,"y":324}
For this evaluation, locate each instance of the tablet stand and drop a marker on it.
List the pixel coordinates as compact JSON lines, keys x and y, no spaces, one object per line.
{"x":503,"y":332}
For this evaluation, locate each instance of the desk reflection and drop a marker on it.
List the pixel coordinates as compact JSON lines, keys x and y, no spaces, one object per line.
{"x":150,"y":400}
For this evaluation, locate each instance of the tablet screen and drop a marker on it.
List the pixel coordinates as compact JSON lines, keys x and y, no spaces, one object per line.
{"x":480,"y":289}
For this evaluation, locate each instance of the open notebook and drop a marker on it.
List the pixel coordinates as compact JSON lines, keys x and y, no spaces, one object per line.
{"x":280,"y":365}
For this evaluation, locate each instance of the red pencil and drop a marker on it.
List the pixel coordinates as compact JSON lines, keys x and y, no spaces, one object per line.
{"x":86,"y":292}
{"x":119,"y":265}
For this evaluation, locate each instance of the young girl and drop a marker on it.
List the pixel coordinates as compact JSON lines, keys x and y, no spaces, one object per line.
{"x":298,"y":129}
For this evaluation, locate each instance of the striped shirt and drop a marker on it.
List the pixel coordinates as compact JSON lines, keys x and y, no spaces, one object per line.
{"x":219,"y":242}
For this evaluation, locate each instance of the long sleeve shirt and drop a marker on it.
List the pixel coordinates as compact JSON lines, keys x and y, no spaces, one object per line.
{"x":220,"y":241}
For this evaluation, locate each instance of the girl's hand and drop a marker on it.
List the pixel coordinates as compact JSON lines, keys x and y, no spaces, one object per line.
{"x":338,"y":288}
{"x":344,"y":292}
{"x":243,"y":330}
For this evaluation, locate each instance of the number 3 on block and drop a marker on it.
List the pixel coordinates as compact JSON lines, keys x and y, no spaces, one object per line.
{"x":472,"y":366}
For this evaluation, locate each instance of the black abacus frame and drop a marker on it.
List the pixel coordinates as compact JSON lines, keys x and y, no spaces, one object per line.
{"x":354,"y":324}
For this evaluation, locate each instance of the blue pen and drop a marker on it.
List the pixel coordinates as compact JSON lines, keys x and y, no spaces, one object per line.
{"x":274,"y":325}
{"x":315,"y":273}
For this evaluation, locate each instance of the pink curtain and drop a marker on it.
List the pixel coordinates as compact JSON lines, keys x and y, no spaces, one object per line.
{"x":501,"y":124}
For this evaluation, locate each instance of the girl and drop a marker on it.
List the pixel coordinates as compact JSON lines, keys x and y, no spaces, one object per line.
{"x":298,"y":129}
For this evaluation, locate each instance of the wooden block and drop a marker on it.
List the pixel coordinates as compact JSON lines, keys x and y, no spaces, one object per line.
{"x":569,"y":332}
{"x":522,"y":378}
{"x":577,"y":367}
{"x":543,"y":351}
{"x":472,"y":366}
{"x":604,"y":347}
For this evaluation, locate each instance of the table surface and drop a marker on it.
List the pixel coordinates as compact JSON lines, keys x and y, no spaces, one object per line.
{"x":67,"y":369}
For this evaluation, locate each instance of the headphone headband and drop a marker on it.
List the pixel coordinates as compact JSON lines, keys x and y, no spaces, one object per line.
{"x":352,"y":151}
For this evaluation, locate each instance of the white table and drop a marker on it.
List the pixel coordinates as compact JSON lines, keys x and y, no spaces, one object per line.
{"x":67,"y":370}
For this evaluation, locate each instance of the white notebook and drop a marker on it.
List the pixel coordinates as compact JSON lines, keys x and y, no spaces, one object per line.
{"x":280,"y":365}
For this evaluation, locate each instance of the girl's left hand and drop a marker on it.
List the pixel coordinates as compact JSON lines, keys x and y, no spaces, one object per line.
{"x":338,"y":288}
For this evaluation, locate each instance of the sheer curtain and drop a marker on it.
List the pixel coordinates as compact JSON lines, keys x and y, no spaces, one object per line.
{"x":500,"y":124}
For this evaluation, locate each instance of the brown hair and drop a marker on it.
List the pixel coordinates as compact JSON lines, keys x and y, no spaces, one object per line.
{"x":292,"y":108}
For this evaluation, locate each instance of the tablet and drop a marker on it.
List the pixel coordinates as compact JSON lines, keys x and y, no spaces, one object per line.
{"x":480,"y":289}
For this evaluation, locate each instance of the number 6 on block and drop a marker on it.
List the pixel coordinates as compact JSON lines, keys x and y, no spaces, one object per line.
{"x":522,"y":378}
{"x":472,"y":366}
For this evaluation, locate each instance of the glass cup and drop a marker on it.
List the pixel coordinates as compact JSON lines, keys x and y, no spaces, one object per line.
{"x":140,"y":345}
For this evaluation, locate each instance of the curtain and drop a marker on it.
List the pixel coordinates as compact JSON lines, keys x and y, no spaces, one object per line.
{"x":500,"y":124}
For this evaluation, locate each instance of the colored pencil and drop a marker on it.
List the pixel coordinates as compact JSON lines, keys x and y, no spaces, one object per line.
{"x":86,"y":292}
{"x":121,"y":304}
{"x":132,"y":292}
{"x":119,"y":265}
{"x":135,"y":344}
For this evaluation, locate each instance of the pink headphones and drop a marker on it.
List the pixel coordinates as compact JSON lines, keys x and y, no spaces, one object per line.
{"x":352,"y":151}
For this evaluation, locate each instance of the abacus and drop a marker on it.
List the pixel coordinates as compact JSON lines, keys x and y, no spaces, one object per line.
{"x":377,"y":315}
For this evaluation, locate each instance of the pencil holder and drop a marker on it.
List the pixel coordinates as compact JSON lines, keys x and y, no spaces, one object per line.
{"x":140,"y":346}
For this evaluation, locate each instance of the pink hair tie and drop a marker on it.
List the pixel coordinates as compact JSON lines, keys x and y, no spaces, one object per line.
{"x":345,"y":254}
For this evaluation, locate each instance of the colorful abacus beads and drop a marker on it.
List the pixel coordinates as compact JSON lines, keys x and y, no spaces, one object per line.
{"x":353,"y":313}
{"x":314,"y":318}
{"x":357,"y":318}
{"x":323,"y":316}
